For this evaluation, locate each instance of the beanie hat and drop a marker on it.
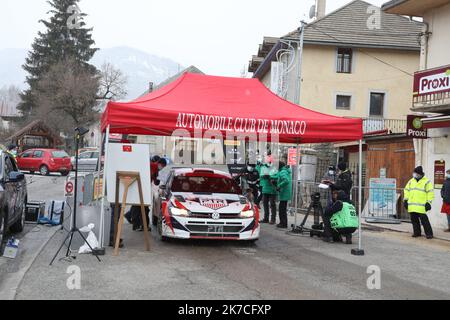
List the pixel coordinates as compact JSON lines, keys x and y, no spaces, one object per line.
{"x":419,"y":170}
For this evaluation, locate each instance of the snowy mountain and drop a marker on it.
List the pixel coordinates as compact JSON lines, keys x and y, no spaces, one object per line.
{"x":139,"y":67}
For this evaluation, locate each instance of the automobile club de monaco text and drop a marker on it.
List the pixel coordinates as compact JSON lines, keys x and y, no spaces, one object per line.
{"x":242,"y":125}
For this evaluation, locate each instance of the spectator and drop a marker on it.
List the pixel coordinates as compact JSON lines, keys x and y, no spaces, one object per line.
{"x":154,"y":167}
{"x":284,"y":187}
{"x":445,"y":193}
{"x":344,"y":180}
{"x":269,"y":190}
{"x":163,"y":172}
{"x":419,"y":195}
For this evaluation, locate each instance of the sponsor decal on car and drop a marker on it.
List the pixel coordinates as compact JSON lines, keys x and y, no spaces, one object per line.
{"x":214,"y":204}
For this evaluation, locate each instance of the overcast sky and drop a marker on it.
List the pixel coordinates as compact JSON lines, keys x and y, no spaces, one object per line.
{"x":217,"y":36}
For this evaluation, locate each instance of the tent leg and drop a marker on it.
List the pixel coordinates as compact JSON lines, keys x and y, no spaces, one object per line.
{"x":103,"y":194}
{"x":296,"y":176}
{"x":359,"y":251}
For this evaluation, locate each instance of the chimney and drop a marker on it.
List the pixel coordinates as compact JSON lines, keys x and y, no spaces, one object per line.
{"x":150,"y":87}
{"x":321,"y":7}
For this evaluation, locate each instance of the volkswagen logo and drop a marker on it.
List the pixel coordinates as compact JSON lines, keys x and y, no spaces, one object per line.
{"x":216,"y":216}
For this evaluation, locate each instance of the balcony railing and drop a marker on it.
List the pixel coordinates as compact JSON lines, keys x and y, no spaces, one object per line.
{"x":380,"y":124}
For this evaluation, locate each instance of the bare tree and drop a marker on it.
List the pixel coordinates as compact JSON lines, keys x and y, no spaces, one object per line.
{"x":66,"y":96}
{"x":112,"y":83}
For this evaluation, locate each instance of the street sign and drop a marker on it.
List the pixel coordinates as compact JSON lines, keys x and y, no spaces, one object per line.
{"x":292,"y":157}
{"x":69,"y":189}
{"x":415,"y":128}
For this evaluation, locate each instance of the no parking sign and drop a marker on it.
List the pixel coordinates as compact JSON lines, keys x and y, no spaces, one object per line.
{"x":69,"y":189}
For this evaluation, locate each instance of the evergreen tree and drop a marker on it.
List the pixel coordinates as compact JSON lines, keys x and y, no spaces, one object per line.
{"x":66,"y":37}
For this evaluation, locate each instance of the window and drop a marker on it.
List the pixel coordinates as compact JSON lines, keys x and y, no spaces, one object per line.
{"x":205,"y":184}
{"x":344,"y":60}
{"x":343,"y":102}
{"x":86,"y":155}
{"x":377,"y":104}
{"x":27,"y":154}
{"x":38,"y":154}
{"x":60,"y":154}
{"x":9,"y":167}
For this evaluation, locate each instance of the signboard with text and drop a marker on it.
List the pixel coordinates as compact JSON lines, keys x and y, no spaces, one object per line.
{"x":415,"y":128}
{"x":439,"y":174}
{"x":432,"y":81}
{"x":383,"y":197}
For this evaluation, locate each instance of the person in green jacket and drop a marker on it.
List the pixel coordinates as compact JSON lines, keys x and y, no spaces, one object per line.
{"x":284,"y":188}
{"x":269,"y":189}
{"x":340,"y":219}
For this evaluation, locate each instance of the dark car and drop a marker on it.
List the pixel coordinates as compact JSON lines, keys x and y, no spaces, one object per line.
{"x":45,"y":161}
{"x":13,"y":198}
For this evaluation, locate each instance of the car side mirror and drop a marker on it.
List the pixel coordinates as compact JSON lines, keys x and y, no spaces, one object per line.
{"x":16,"y":176}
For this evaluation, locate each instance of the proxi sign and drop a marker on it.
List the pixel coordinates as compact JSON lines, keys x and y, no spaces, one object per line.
{"x":432,"y":81}
{"x":415,"y":128}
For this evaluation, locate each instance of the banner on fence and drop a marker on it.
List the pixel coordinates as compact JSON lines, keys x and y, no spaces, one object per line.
{"x":383,"y":198}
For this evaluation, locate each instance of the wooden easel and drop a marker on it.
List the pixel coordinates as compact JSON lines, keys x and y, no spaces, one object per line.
{"x":128,"y":179}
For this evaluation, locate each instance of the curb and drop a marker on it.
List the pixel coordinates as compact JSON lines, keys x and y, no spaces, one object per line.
{"x":383,"y":228}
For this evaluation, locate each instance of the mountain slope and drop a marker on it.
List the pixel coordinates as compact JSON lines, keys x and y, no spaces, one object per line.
{"x":139,"y":67}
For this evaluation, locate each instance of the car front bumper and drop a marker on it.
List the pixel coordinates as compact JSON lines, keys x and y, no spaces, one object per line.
{"x":200,"y":228}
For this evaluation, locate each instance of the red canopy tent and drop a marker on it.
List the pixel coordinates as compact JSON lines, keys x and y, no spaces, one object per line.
{"x":197,"y":102}
{"x":231,"y":105}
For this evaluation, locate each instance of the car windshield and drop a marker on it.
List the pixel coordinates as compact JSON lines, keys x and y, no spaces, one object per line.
{"x":59,"y":154}
{"x":205,"y":184}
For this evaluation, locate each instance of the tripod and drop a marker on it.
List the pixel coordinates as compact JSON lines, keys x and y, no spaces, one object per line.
{"x":317,"y":227}
{"x":79,"y":133}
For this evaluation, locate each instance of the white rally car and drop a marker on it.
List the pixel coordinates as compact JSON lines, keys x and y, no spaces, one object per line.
{"x":205,"y":204}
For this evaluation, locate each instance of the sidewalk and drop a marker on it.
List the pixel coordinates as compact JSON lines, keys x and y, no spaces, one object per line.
{"x":405,"y":227}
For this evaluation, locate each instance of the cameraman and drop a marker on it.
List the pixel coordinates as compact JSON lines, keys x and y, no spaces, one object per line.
{"x":340,"y":219}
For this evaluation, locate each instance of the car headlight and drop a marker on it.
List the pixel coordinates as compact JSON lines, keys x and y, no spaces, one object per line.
{"x":178,"y":209}
{"x":179,"y":212}
{"x":247,"y":212}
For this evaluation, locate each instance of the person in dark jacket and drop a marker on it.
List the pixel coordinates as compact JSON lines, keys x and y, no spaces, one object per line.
{"x":445,"y":193}
{"x":341,"y":201}
{"x":252,"y":177}
{"x":344,"y":180}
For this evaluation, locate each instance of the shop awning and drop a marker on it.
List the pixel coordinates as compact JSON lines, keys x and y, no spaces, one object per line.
{"x":197,"y":103}
{"x":436,"y":122}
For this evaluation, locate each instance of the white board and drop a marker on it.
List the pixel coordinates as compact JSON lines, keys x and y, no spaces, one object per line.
{"x":132,"y":158}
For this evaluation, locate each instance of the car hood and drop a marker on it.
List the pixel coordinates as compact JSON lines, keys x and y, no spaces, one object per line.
{"x":217,"y":202}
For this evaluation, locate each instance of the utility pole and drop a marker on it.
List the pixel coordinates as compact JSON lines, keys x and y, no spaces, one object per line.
{"x":300,"y":61}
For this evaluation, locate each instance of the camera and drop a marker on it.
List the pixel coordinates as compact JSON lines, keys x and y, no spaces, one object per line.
{"x":316,"y":198}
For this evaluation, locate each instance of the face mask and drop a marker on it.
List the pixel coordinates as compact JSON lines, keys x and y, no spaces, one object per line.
{"x":448,"y":175}
{"x":250,"y":169}
{"x":160,"y":167}
{"x":417,"y":176}
{"x":331,"y":173}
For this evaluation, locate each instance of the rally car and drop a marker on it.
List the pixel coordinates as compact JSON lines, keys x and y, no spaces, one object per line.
{"x":205,"y":204}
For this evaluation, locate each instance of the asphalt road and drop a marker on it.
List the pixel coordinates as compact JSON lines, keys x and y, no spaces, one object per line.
{"x":279,"y":266}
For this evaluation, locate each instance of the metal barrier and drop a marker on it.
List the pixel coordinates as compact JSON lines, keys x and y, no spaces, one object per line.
{"x":381,"y":205}
{"x":306,"y":190}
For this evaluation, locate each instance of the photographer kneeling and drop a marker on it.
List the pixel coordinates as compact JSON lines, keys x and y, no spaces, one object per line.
{"x":340,"y":219}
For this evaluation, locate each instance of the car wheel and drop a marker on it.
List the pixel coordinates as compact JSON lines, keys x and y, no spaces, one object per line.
{"x":43,"y":170}
{"x":3,"y":233}
{"x":31,"y":172}
{"x":65,"y":173}
{"x":20,"y":223}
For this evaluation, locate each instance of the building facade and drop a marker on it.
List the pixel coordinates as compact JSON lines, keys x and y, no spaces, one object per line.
{"x":431,"y":90}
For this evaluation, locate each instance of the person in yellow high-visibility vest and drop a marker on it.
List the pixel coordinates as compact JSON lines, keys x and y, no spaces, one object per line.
{"x":418,"y":197}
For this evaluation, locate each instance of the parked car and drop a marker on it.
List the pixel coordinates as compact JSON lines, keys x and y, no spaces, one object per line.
{"x":45,"y":161}
{"x":204,"y":204}
{"x":13,"y":198}
{"x":87,"y":161}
